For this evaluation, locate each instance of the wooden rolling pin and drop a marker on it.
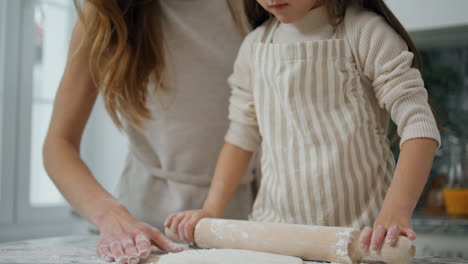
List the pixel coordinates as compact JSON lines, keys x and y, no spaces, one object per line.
{"x":317,"y":243}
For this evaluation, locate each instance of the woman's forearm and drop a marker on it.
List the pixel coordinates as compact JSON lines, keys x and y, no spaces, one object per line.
{"x":75,"y":181}
{"x":414,"y":165}
{"x":74,"y":101}
{"x":232,"y":164}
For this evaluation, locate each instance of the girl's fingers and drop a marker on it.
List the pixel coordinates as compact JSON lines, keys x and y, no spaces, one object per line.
{"x":143,"y":245}
{"x":392,"y":235}
{"x":365,"y":238}
{"x":190,"y":227}
{"x":175,"y":223}
{"x":118,"y":253}
{"x":181,"y":229}
{"x":378,"y":237}
{"x":409,"y":232}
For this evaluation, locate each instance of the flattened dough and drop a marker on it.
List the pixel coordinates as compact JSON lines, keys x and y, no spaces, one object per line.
{"x":226,"y":256}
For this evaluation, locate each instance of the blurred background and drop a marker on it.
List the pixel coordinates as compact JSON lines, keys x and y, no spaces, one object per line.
{"x":34,"y":37}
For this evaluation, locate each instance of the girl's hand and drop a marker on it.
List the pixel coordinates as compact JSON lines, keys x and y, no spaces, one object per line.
{"x":124,"y":239}
{"x":183,"y":224}
{"x":387,"y":228}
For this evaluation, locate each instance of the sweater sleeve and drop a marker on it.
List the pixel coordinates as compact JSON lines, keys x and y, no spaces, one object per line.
{"x":243,"y":129}
{"x":399,"y":88}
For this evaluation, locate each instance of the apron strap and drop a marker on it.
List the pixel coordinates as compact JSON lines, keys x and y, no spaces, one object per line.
{"x":344,"y":33}
{"x":269,"y":33}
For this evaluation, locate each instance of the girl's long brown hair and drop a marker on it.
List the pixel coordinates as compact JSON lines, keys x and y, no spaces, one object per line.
{"x":257,"y":15}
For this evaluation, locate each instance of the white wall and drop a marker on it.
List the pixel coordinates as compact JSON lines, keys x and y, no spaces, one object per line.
{"x":427,"y":14}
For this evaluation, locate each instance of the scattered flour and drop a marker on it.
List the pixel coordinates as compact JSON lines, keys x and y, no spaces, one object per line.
{"x":226,"y":256}
{"x":217,"y":228}
{"x":245,"y":235}
{"x":312,"y":262}
{"x":342,"y":245}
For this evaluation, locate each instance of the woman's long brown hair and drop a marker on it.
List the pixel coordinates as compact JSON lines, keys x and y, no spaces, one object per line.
{"x":126,"y":44}
{"x":257,"y":15}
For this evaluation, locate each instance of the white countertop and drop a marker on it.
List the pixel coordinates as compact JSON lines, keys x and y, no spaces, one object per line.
{"x":81,"y":249}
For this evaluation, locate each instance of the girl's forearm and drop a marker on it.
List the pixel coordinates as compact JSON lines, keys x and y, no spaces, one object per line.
{"x":232,"y":164}
{"x":414,"y":165}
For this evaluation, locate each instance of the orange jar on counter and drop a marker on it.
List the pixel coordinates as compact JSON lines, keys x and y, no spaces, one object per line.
{"x":456,"y":201}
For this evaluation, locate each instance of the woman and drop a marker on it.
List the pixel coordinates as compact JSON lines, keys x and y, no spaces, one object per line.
{"x":161,"y":68}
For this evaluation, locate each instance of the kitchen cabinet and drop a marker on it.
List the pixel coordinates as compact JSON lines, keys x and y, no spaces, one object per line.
{"x":418,"y":15}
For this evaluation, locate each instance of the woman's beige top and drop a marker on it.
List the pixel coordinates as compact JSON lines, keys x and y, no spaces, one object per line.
{"x":317,"y":100}
{"x":171,"y":162}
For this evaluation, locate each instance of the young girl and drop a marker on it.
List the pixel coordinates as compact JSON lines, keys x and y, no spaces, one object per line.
{"x":313,"y":87}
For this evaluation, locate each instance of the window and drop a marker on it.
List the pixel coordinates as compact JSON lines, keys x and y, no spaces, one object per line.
{"x":50,"y":42}
{"x":8,"y":78}
{"x":34,"y":39}
{"x":46,"y":32}
{"x":2,"y":59}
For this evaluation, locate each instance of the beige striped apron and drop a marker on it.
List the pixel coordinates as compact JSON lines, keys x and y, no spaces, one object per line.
{"x":326,"y":160}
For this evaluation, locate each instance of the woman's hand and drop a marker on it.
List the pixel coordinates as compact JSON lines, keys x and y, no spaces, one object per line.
{"x":126,"y":240}
{"x":387,"y":228}
{"x":183,"y":224}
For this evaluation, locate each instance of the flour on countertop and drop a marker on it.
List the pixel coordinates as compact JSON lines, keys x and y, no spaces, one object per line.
{"x":225,"y":256}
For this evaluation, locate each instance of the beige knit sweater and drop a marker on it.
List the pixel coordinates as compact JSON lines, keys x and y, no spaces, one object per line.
{"x":334,"y":167}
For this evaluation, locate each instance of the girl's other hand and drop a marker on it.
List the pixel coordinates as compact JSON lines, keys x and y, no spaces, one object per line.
{"x":387,"y":229}
{"x":124,"y":239}
{"x":183,"y":224}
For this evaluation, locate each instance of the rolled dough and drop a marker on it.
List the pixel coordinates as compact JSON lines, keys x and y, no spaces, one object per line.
{"x":226,"y":256}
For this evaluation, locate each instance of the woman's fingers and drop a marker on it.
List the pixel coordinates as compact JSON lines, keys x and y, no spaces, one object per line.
{"x":378,"y":237}
{"x":117,"y":252}
{"x":392,"y":235}
{"x":125,"y":240}
{"x":130,"y":250}
{"x":175,"y":223}
{"x":163,"y":242}
{"x":365,"y":238}
{"x":143,"y":245}
{"x":102,"y":249}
